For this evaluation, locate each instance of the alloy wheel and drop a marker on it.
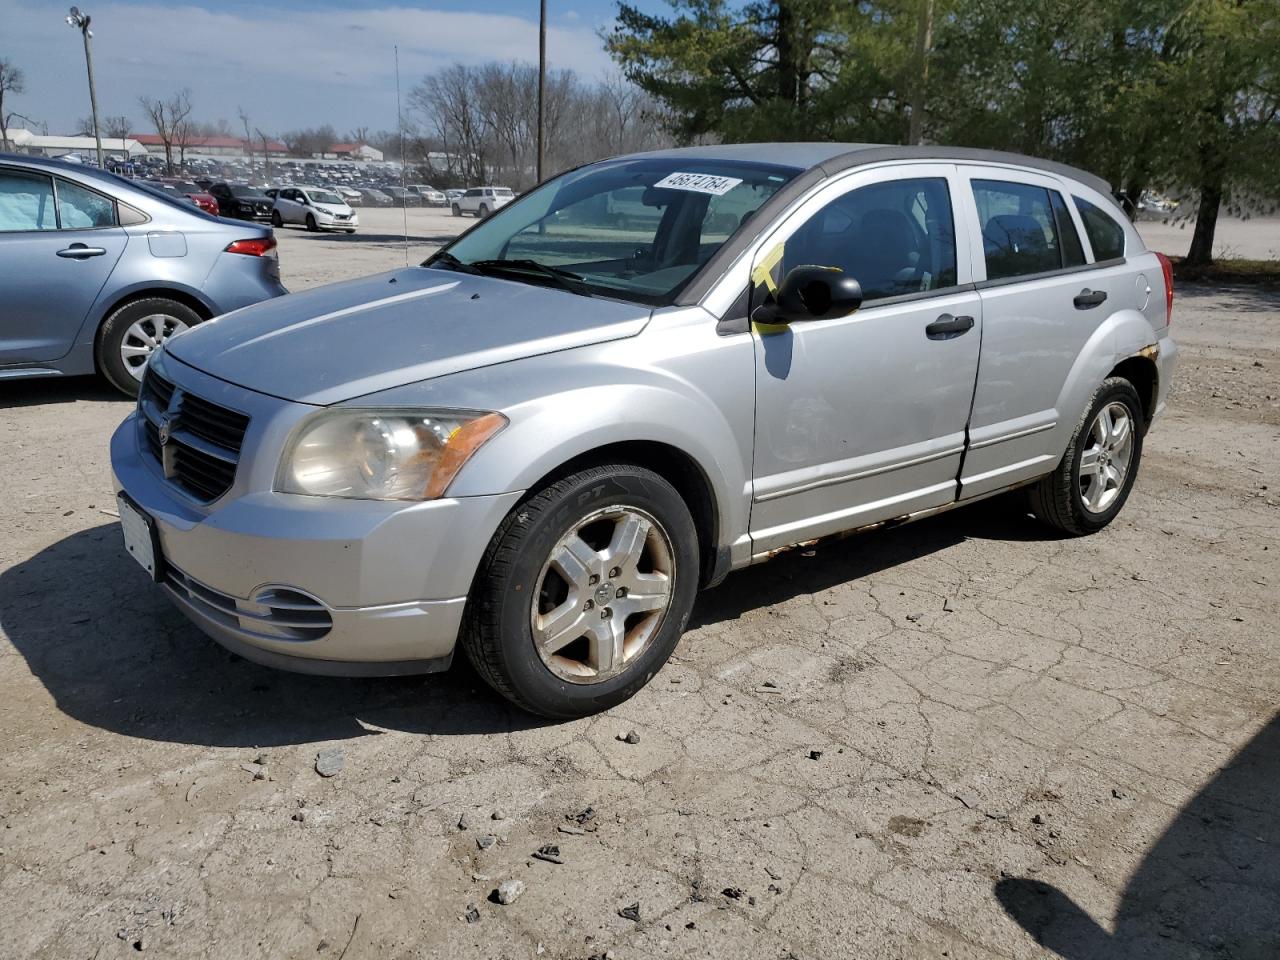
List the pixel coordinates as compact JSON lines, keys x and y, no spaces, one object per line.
{"x":602,"y":594}
{"x":143,"y":337}
{"x":1107,"y":458}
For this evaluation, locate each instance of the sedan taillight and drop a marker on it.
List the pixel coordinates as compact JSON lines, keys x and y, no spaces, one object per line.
{"x":258,"y":247}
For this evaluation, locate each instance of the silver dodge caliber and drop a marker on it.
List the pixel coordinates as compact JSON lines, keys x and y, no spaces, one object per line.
{"x":642,"y":375}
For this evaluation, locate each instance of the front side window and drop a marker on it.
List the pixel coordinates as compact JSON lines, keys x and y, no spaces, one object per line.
{"x":894,"y":238}
{"x":633,"y":230}
{"x":1105,"y":235}
{"x":26,"y":202}
{"x":1020,"y":230}
{"x":81,"y":209}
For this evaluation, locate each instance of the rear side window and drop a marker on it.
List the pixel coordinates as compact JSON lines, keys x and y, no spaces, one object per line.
{"x":81,"y":209}
{"x":26,"y":202}
{"x":1105,"y":235}
{"x":1020,"y":230}
{"x":1072,"y":251}
{"x":894,"y":238}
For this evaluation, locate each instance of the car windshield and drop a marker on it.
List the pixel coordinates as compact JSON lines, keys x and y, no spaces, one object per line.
{"x":503,"y":192}
{"x":183,"y":187}
{"x":253,"y":192}
{"x":633,"y":230}
{"x":324,"y":196}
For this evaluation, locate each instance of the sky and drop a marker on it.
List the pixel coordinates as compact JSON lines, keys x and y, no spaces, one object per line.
{"x":289,"y":63}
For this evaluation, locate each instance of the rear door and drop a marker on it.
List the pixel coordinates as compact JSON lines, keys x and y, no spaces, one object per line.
{"x":862,"y":418}
{"x":1041,"y":301}
{"x":59,"y":242}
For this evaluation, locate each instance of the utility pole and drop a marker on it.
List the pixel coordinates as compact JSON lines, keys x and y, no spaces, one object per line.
{"x":542,"y":87}
{"x":924,"y":40}
{"x":81,"y":21}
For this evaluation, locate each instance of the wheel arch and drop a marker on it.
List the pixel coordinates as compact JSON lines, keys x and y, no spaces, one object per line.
{"x":1140,"y":370}
{"x":186,"y":297}
{"x":679,"y":469}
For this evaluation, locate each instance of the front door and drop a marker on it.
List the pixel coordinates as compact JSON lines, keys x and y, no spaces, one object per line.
{"x":863,"y":418}
{"x":58,"y":246}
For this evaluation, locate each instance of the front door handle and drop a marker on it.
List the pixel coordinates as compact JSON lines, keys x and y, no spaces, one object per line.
{"x":1087,"y":299}
{"x":947,"y":327}
{"x":78,"y":251}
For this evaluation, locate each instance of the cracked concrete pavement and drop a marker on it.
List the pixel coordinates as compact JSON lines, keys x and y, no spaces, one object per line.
{"x":964,"y":738}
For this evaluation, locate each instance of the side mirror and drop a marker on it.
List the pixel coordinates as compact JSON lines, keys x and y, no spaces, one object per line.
{"x":811,"y":293}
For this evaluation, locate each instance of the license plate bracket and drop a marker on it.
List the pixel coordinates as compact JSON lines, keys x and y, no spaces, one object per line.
{"x":141,"y":539}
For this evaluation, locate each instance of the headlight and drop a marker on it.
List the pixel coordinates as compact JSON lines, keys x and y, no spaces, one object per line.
{"x":383,"y":454}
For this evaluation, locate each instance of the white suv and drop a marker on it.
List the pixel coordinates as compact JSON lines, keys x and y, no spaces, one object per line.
{"x":482,"y":201}
{"x":315,"y":207}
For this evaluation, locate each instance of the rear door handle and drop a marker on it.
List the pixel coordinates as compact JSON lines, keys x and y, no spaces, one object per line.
{"x":947,"y":327}
{"x":1087,"y":298}
{"x":78,"y":251}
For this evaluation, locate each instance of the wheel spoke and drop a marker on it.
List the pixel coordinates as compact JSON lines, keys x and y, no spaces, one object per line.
{"x":557,"y":628}
{"x":129,"y":351}
{"x":651,"y":591}
{"x":1119,"y":432}
{"x":575,"y":560}
{"x":1089,"y":461}
{"x":627,"y":545}
{"x":606,"y":644}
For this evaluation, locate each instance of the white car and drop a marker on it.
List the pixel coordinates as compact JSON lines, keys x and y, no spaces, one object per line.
{"x":315,"y":207}
{"x":482,"y":201}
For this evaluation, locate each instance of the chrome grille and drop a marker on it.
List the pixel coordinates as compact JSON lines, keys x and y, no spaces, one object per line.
{"x":275,"y":613}
{"x":203,"y":441}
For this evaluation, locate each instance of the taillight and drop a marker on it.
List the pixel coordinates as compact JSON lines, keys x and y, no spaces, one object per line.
{"x":1167,"y":266}
{"x":259,"y":247}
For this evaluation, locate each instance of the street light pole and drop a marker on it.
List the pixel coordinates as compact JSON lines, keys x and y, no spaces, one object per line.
{"x":542,"y":85}
{"x":81,"y":21}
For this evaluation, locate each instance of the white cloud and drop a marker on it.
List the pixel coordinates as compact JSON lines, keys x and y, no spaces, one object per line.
{"x":289,"y":69}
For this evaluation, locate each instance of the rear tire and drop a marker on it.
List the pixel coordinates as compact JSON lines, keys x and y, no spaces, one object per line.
{"x":123,"y":343}
{"x":604,"y":630}
{"x":276,"y":220}
{"x":484,"y":212}
{"x":457,"y":212}
{"x":1098,"y":470}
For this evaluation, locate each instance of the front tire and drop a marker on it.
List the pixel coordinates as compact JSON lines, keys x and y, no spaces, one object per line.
{"x":1093,"y":480}
{"x":276,"y":220}
{"x":584,"y":591}
{"x":484,"y":212}
{"x":132,"y":333}
{"x":311,"y":224}
{"x":457,"y":211}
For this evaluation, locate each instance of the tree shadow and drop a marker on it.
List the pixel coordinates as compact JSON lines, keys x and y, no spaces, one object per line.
{"x":1211,"y":882}
{"x":114,"y":653}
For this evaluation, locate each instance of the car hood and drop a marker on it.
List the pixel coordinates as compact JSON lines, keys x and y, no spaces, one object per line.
{"x":333,"y":207}
{"x":349,"y":339}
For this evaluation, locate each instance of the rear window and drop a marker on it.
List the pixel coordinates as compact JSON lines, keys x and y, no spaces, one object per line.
{"x":1106,"y":236}
{"x":1021,"y":233}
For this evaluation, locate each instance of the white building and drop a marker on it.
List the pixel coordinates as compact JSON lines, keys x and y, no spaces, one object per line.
{"x":24,"y":141}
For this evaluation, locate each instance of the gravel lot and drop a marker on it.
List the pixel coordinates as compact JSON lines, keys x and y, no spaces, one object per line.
{"x":964,"y":738}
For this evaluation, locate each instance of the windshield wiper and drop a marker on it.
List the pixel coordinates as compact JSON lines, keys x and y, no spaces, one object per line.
{"x":563,"y":278}
{"x":451,"y":262}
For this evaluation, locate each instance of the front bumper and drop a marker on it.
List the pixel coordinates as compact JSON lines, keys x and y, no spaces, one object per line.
{"x":391,"y":577}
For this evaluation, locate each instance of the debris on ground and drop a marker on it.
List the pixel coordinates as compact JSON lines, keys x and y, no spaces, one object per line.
{"x":630,"y":913}
{"x":582,"y":816}
{"x":486,"y":841}
{"x":549,"y":852}
{"x":472,"y":914}
{"x":733,"y":893}
{"x":815,"y":754}
{"x":464,"y":821}
{"x":498,"y":815}
{"x":629,"y":737}
{"x":329,"y":761}
{"x":572,"y":831}
{"x":509,"y":891}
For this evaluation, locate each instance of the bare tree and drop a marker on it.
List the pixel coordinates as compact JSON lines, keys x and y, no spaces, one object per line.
{"x":359,"y":135}
{"x":243,"y":114}
{"x":11,"y":81}
{"x":170,"y":118}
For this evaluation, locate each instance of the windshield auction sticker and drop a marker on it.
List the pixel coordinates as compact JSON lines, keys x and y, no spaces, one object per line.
{"x":698,"y":183}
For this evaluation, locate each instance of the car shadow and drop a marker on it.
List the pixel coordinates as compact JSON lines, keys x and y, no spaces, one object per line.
{"x":115,"y":654}
{"x":843,"y":559}
{"x":38,"y":391}
{"x":1210,"y":883}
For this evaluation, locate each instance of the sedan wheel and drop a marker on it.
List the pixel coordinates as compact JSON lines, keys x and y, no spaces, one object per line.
{"x":276,"y":219}
{"x":133,"y":333}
